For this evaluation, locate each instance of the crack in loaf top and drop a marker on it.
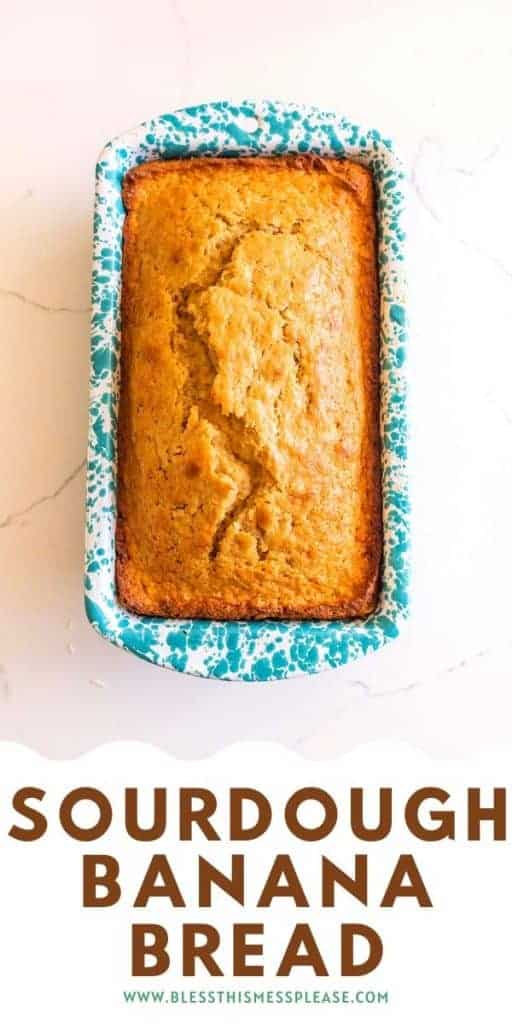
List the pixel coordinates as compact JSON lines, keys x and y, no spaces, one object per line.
{"x":248,"y":481}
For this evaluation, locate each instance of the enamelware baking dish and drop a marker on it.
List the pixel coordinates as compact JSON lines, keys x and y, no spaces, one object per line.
{"x":243,"y":650}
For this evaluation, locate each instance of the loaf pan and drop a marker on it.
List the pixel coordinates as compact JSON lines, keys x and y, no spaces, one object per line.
{"x":263,"y":650}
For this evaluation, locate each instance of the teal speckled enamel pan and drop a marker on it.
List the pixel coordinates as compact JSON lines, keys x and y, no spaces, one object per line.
{"x":243,"y":650}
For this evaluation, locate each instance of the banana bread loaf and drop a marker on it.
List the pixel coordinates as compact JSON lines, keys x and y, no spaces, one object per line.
{"x":249,"y":463}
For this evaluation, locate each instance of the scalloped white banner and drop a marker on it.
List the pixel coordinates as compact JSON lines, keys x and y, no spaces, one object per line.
{"x":61,"y":962}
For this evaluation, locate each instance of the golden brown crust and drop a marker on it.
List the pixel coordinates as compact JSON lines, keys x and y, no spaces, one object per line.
{"x":249,"y":456}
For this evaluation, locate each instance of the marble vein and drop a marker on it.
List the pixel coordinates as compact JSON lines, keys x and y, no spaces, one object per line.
{"x":430,"y":209}
{"x":507,"y":416}
{"x":26,"y":300}
{"x":374,"y":695}
{"x":471,"y":171}
{"x":184,"y":25}
{"x":370,"y":694}
{"x":444,"y":670}
{"x":13,"y":517}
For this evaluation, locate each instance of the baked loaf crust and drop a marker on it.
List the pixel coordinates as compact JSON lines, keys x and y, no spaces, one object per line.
{"x":249,"y":462}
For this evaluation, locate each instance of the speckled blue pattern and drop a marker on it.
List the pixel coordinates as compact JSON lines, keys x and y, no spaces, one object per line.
{"x":243,"y":650}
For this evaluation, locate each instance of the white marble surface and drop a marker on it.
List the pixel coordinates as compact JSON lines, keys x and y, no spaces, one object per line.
{"x":437,"y":77}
